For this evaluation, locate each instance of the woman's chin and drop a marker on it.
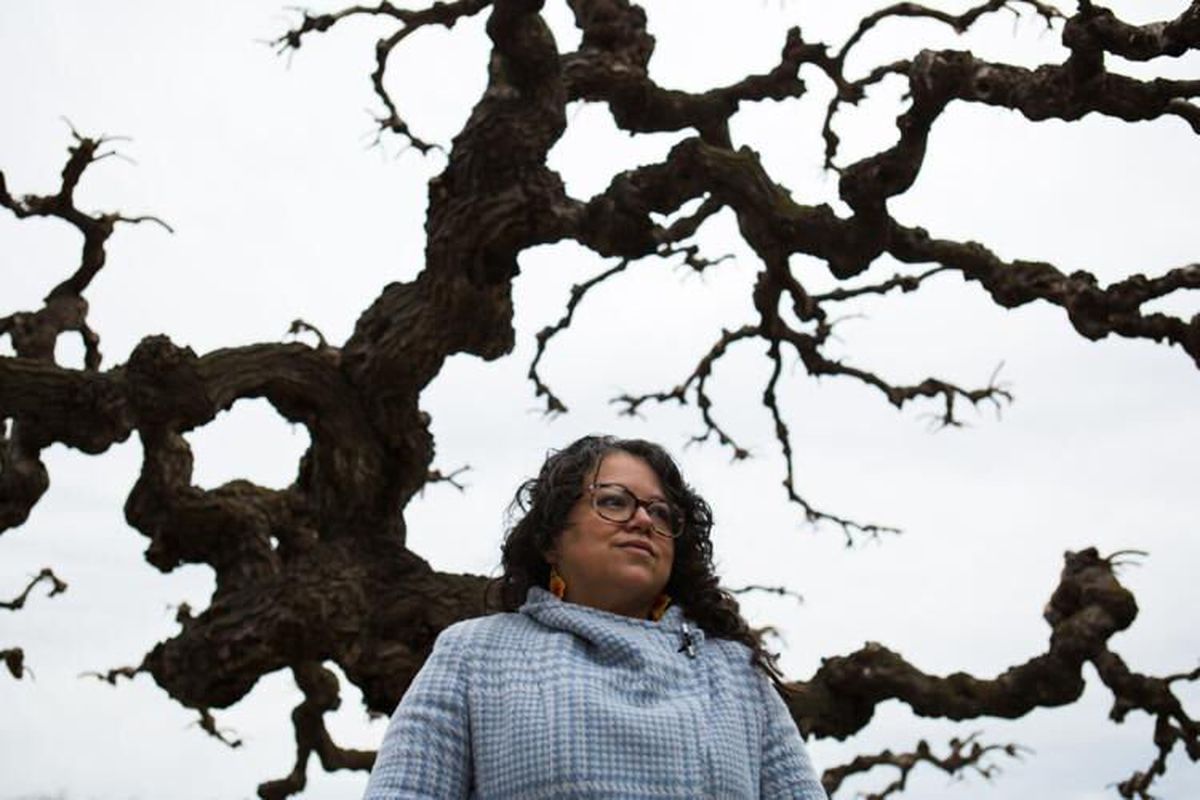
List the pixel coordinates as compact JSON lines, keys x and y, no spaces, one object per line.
{"x":636,"y":586}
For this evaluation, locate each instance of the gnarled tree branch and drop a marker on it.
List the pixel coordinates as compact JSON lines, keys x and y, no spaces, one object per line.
{"x":14,"y":657}
{"x":1087,"y":608}
{"x":965,"y":755}
{"x":319,"y":572}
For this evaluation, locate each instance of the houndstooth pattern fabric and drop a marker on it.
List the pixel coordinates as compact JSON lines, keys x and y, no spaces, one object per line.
{"x":565,"y":701}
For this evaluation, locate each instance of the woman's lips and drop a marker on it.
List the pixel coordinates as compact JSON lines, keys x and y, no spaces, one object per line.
{"x":643,"y":546}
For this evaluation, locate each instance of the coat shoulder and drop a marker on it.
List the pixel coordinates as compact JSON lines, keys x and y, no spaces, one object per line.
{"x":490,"y":632}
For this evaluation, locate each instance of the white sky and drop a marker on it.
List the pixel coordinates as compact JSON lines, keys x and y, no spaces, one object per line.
{"x":281,"y":212}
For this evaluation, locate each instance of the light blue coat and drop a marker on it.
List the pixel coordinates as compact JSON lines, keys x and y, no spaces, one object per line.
{"x":565,"y":701}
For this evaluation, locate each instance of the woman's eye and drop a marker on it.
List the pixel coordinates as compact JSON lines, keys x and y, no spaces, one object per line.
{"x":660,"y":512}
{"x":612,"y":501}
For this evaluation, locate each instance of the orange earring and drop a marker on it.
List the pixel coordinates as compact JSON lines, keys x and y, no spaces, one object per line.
{"x":660,"y":606}
{"x":558,"y":587}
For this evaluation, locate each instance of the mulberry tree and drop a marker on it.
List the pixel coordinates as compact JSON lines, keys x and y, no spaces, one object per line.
{"x":319,"y":573}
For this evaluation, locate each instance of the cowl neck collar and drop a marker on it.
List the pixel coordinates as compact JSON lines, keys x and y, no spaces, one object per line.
{"x":615,"y":636}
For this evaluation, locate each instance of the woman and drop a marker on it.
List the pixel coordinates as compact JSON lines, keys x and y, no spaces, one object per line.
{"x":621,"y":669}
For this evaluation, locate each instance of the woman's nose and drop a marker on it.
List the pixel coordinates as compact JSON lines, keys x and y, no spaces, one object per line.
{"x":641,"y":519}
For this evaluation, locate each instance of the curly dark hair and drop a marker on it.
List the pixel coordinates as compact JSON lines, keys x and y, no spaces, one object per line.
{"x":542,"y":504}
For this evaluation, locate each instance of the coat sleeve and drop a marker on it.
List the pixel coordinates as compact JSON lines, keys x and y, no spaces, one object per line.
{"x":426,"y":752}
{"x":787,"y":774}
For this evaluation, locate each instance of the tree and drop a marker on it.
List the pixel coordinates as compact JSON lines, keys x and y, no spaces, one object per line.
{"x":320,"y":572}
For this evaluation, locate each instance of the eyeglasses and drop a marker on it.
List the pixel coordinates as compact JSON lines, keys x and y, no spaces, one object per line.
{"x":615,"y":503}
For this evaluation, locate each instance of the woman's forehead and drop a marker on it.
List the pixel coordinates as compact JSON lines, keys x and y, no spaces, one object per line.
{"x":629,"y":470}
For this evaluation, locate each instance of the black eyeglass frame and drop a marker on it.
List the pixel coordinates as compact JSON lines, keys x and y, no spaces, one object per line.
{"x":675,"y":514}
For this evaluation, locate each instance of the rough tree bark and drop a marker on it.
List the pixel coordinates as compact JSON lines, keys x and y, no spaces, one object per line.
{"x":320,"y":572}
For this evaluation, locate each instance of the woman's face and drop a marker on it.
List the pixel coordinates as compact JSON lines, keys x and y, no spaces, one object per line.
{"x":620,"y":567}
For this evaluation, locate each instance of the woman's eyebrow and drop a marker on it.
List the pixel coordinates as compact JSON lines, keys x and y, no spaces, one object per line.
{"x":651,"y":496}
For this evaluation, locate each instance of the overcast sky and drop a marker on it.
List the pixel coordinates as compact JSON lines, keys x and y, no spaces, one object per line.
{"x":281,"y":211}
